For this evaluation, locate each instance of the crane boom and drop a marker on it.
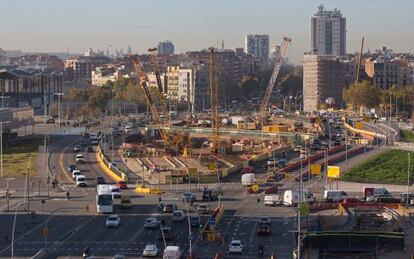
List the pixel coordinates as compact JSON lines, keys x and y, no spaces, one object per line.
{"x":359,"y":60}
{"x":272,"y":81}
{"x":214,"y":101}
{"x":142,"y":79}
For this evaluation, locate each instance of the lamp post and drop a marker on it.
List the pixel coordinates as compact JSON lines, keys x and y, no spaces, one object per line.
{"x":1,"y":145}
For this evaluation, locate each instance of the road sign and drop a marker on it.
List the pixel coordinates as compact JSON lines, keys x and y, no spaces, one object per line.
{"x":334,"y":172}
{"x":315,"y":169}
{"x":212,"y":166}
{"x":212,"y":221}
{"x":45,"y":232}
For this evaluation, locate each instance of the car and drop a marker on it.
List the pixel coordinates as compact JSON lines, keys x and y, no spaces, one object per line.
{"x":150,"y":250}
{"x":126,"y":202}
{"x":235,"y":247}
{"x":71,"y":168}
{"x":407,"y":198}
{"x":195,"y":221}
{"x":203,"y":209}
{"x":151,"y":223}
{"x":80,"y":180}
{"x":122,"y":185}
{"x":100,"y":180}
{"x":169,"y":208}
{"x":210,"y":195}
{"x":297,"y":148}
{"x":337,"y":142}
{"x":188,"y":197}
{"x":263,"y":230}
{"x":178,"y":216}
{"x":113,"y":221}
{"x":317,"y":142}
{"x":77,"y":148}
{"x":264,"y":220}
{"x":76,"y":173}
{"x":86,"y":135}
{"x":271,"y":161}
{"x":80,"y":158}
{"x":167,"y":233}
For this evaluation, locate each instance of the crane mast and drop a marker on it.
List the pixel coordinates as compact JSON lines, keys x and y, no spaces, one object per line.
{"x":272,"y":81}
{"x":214,"y":102}
{"x":359,"y":60}
{"x":154,"y":62}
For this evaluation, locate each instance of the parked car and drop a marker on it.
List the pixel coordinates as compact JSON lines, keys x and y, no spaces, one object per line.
{"x":150,"y":250}
{"x":151,"y":223}
{"x":122,"y":185}
{"x":188,"y":197}
{"x":113,"y":221}
{"x":80,"y":158}
{"x":235,"y":247}
{"x":203,"y":209}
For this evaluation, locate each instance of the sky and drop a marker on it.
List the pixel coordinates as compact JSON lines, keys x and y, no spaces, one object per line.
{"x":77,"y":25}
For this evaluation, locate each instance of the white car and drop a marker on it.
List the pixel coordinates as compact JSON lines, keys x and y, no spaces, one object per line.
{"x":113,"y":221}
{"x":150,"y":250}
{"x":76,"y":173}
{"x":80,"y":158}
{"x":151,"y":223}
{"x":297,"y":149}
{"x":80,"y":181}
{"x":235,"y":247}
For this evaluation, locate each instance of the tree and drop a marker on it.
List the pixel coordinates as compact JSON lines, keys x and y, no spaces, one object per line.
{"x":362,"y":94}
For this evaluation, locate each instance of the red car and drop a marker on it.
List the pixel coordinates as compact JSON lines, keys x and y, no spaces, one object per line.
{"x":121,"y":185}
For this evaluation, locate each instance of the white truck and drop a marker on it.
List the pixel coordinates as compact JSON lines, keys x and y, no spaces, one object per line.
{"x":248,"y":179}
{"x":291,"y":197}
{"x":272,"y":200}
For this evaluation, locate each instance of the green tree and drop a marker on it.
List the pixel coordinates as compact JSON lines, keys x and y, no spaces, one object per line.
{"x":362,"y":94}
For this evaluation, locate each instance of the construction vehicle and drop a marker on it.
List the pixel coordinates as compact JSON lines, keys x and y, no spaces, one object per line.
{"x":174,"y":141}
{"x":265,"y":101}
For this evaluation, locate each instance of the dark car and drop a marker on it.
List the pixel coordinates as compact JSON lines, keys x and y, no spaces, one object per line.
{"x":71,"y":168}
{"x":167,"y":232}
{"x":195,"y":221}
{"x":100,"y":180}
{"x":209,"y":195}
{"x":263,"y":230}
{"x":169,"y":208}
{"x":337,"y":142}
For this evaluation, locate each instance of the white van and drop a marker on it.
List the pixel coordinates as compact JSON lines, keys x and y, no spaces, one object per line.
{"x":172,"y":252}
{"x":334,"y":195}
{"x":178,"y":216}
{"x":81,"y":181}
{"x":248,"y":179}
{"x":272,"y":200}
{"x":291,"y":197}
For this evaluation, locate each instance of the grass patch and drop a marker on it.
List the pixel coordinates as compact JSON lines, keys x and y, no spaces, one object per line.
{"x":406,"y":136}
{"x":389,"y":167}
{"x":21,"y":157}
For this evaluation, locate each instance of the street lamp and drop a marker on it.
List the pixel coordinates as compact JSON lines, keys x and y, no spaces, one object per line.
{"x":1,"y":145}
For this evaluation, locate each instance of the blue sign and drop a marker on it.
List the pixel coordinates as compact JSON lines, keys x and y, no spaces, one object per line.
{"x":212,"y":221}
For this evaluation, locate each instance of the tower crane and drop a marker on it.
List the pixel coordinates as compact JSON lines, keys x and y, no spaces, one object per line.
{"x":154,"y":61}
{"x":359,"y":60}
{"x":214,"y":102}
{"x":272,"y":81}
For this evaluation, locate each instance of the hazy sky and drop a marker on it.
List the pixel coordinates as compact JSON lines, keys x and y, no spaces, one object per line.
{"x":58,"y":25}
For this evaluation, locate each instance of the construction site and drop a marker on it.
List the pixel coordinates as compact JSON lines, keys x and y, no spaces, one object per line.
{"x":181,"y":151}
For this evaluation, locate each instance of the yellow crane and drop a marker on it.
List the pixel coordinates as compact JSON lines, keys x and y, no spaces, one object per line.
{"x":154,"y":62}
{"x":214,"y":102}
{"x":265,"y":101}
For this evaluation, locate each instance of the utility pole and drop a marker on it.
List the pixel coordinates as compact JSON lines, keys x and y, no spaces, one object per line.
{"x":1,"y":146}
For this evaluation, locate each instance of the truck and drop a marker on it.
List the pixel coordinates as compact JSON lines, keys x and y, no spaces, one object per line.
{"x":334,"y":195}
{"x":272,"y":200}
{"x":248,"y":179}
{"x":374,"y":191}
{"x":291,"y":197}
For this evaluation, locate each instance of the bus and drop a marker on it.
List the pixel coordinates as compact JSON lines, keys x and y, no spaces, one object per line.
{"x":104,"y":201}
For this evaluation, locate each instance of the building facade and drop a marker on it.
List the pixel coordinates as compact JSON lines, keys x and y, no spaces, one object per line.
{"x":328,"y":32}
{"x":81,"y":68}
{"x":166,"y":48}
{"x":257,"y":45}
{"x":324,"y":77}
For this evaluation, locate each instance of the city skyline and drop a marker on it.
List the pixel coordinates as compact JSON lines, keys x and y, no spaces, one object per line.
{"x":77,"y":26}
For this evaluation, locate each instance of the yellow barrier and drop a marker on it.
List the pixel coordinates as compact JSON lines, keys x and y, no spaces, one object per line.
{"x":364,"y":132}
{"x":105,"y":168}
{"x":141,"y":189}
